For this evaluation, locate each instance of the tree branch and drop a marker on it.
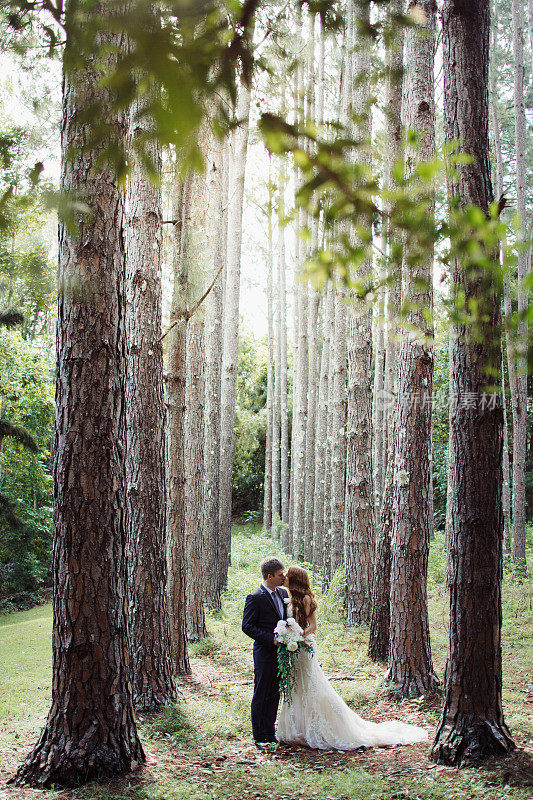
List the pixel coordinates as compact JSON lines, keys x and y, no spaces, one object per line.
{"x":186,"y":315}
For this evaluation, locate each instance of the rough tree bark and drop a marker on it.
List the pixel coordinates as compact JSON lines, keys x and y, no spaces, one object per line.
{"x":472,"y":726}
{"x":410,"y":664}
{"x":90,"y":732}
{"x":151,"y":658}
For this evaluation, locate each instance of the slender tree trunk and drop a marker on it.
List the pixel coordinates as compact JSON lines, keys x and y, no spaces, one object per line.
{"x":313,"y":300}
{"x":472,"y":726}
{"x":151,"y":657}
{"x":194,"y":476}
{"x":299,"y":416}
{"x":498,"y":172}
{"x":338,"y":440}
{"x":321,"y":460}
{"x":90,"y":732}
{"x":410,"y":663}
{"x":520,"y":398}
{"x":378,"y":420}
{"x":267,"y":502}
{"x":359,"y":486}
{"x":284,"y":417}
{"x":216,"y":173}
{"x":176,"y":391}
{"x":238,"y":151}
{"x":276,"y":418}
{"x":506,"y":472}
{"x":379,"y":623}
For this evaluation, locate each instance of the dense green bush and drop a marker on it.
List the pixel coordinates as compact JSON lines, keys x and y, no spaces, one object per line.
{"x":27,"y":391}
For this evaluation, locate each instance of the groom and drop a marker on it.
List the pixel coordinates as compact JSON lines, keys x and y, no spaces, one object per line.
{"x":262,"y":611}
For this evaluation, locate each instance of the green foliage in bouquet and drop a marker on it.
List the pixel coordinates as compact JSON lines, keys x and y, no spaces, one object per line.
{"x":287,"y":668}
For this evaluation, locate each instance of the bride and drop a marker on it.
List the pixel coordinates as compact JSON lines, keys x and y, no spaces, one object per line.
{"x":317,"y":716}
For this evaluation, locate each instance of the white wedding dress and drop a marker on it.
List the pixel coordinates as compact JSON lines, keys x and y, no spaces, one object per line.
{"x":319,"y":718}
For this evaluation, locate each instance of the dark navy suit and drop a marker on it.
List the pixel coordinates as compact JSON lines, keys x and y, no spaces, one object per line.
{"x":259,"y":619}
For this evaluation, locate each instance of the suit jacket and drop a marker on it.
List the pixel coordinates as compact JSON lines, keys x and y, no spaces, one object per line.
{"x":261,"y":616}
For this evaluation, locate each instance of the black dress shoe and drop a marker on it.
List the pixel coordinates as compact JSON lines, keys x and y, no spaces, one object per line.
{"x":267,"y":746}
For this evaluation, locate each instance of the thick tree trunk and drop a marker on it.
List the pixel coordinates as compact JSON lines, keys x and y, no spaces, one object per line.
{"x":90,"y":733}
{"x":151,"y":658}
{"x":238,"y":151}
{"x":472,"y":726}
{"x":519,"y":399}
{"x":176,"y":385}
{"x":379,"y":623}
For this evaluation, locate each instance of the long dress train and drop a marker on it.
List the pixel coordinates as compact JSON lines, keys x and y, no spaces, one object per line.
{"x":319,"y":718}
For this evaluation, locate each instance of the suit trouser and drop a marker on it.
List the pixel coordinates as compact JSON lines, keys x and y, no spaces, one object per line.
{"x":265,"y":701}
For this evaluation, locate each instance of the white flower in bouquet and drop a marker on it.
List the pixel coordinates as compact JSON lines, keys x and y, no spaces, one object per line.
{"x":291,"y":623}
{"x":289,"y":635}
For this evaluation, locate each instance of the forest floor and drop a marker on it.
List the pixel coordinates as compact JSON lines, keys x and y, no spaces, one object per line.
{"x":202,"y":749}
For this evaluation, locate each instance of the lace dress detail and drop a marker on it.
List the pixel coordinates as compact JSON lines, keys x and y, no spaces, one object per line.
{"x":319,"y":718}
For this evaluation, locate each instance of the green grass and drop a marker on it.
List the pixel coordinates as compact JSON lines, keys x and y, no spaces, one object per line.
{"x":200,"y":748}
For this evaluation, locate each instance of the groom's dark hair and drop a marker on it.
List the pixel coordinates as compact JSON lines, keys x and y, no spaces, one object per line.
{"x":269,"y":566}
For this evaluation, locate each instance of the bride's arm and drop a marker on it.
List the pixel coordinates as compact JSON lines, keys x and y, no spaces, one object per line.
{"x":311,"y":619}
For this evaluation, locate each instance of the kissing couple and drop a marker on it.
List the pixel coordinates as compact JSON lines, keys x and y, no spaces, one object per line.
{"x":316,"y":715}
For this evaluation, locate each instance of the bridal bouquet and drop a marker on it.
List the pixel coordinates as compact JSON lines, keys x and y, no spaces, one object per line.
{"x":291,"y":639}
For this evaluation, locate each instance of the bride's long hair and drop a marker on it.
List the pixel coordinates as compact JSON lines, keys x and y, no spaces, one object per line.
{"x":299,"y":587}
